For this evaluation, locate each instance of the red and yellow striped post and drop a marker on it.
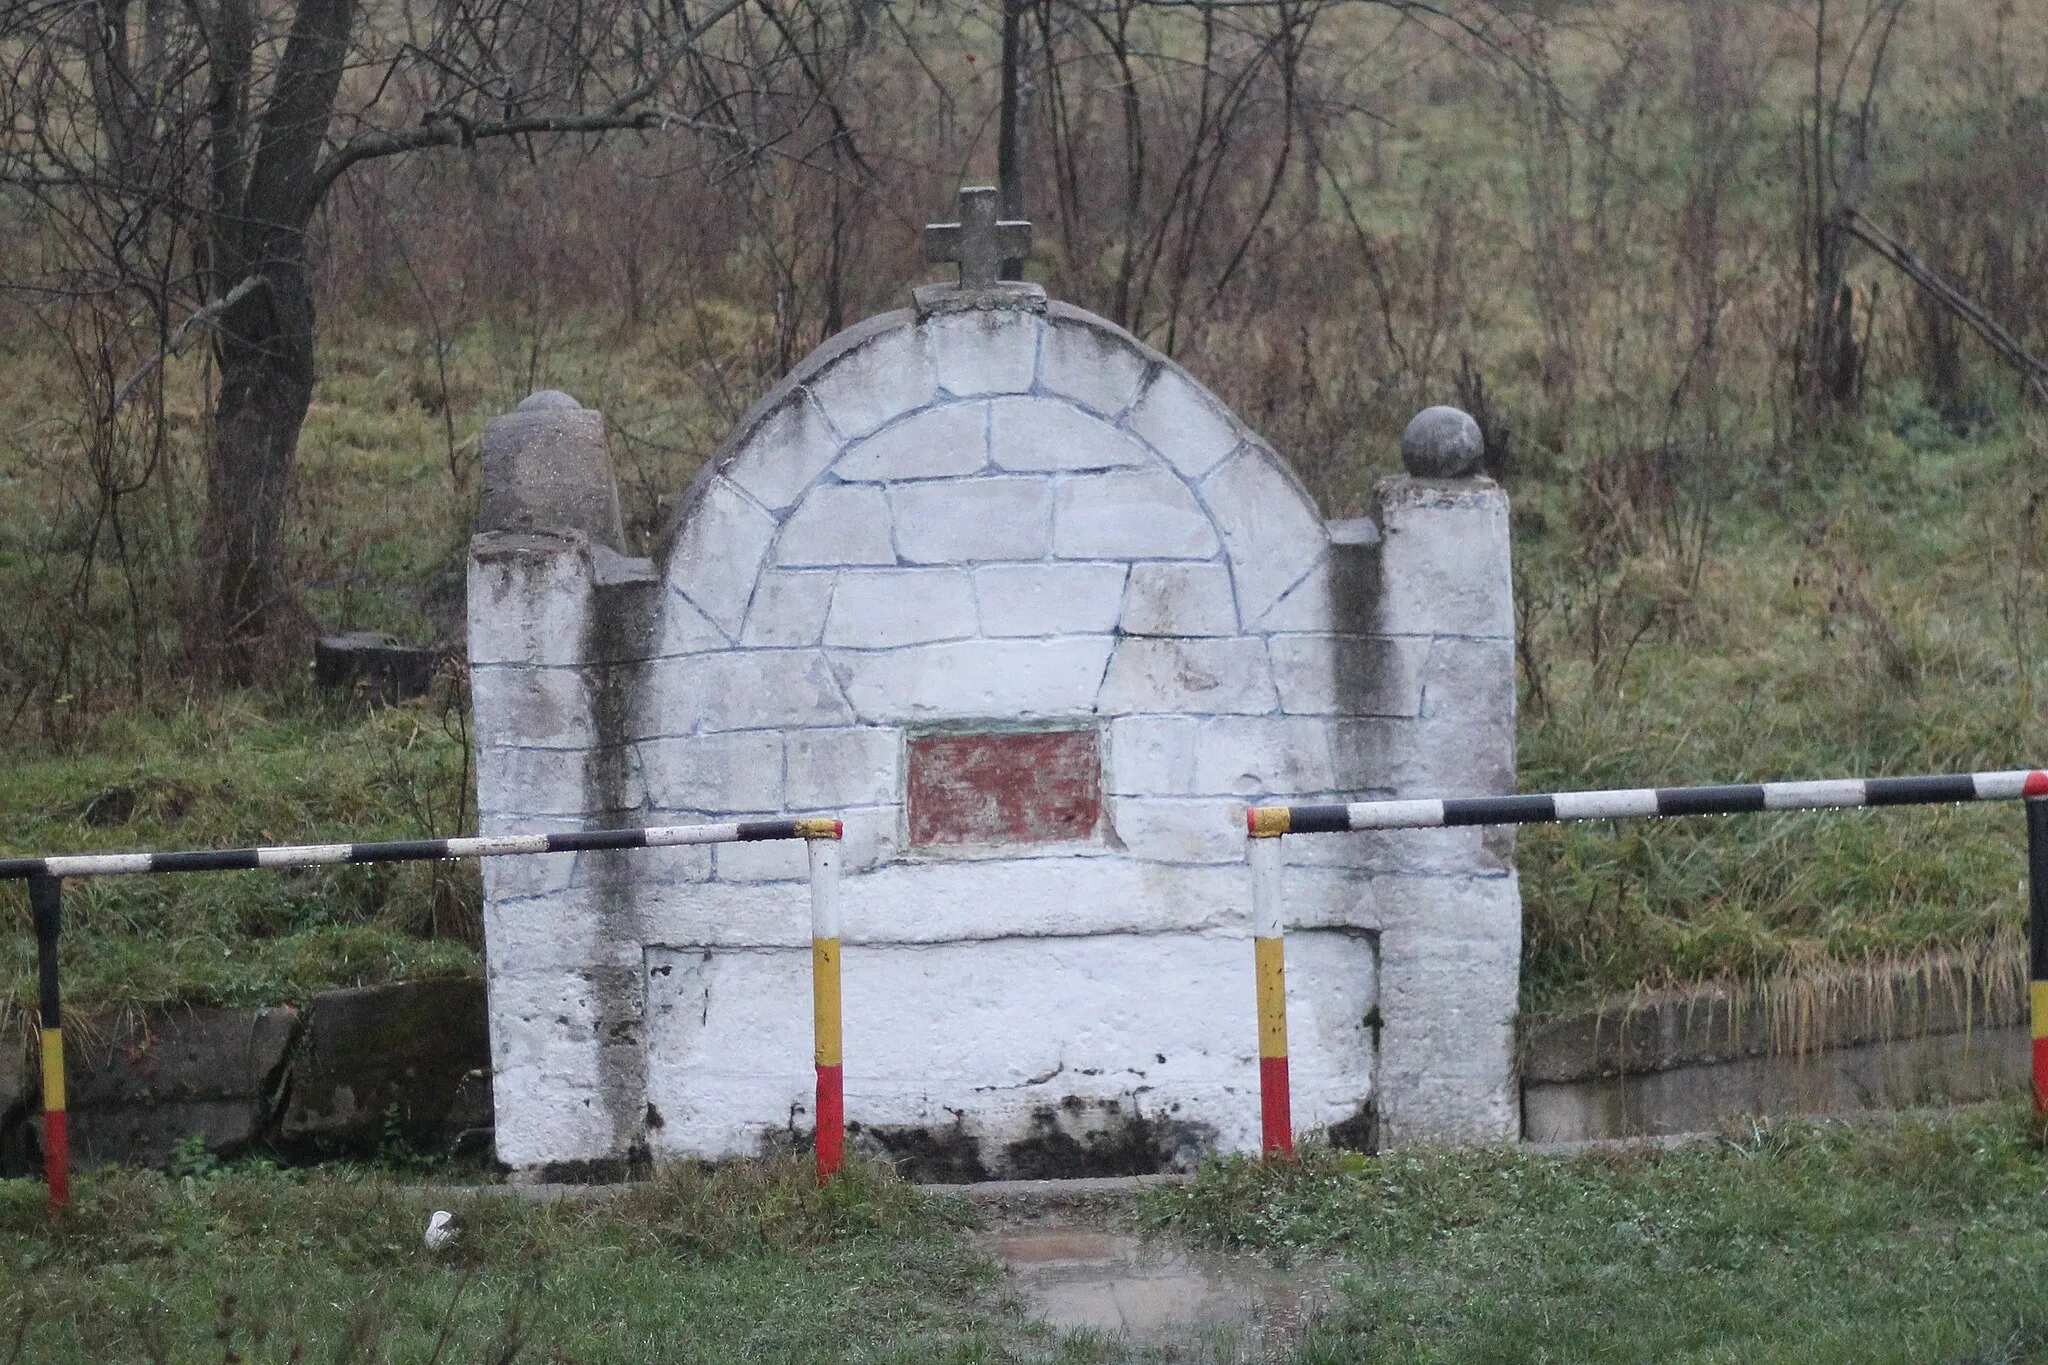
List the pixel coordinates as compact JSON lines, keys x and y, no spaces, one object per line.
{"x":46,"y":904}
{"x":2036,"y":793}
{"x":822,"y":837}
{"x":1276,"y":1118}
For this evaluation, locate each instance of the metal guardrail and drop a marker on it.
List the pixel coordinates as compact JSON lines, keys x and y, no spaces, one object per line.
{"x":45,"y":877}
{"x":1267,"y":825}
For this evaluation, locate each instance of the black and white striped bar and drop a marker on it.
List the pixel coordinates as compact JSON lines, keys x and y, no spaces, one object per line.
{"x":1270,"y":821}
{"x":415,"y":850}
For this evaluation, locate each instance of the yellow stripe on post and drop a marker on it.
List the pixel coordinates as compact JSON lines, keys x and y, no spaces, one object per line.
{"x":2038,"y":991}
{"x":1268,"y":822}
{"x":53,"y":1069}
{"x":825,"y":999}
{"x":1270,"y":955}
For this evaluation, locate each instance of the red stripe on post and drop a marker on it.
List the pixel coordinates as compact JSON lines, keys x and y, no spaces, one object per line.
{"x":57,"y":1155}
{"x":831,"y":1121}
{"x":1276,"y":1111}
{"x":2041,"y":1075}
{"x":2036,"y":785}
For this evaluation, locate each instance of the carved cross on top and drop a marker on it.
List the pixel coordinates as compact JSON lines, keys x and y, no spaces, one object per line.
{"x":978,"y":242}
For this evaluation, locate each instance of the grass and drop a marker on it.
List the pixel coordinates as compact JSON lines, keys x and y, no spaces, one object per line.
{"x":1875,"y":621}
{"x":747,"y":1262}
{"x":1924,"y":1241}
{"x":230,"y":772}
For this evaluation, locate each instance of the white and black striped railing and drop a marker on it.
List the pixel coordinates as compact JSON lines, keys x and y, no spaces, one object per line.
{"x":413,"y":850}
{"x":45,"y":878}
{"x":1268,"y":824}
{"x":1641,"y":802}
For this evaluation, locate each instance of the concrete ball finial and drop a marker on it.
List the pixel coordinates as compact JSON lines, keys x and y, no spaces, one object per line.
{"x":1442,"y":443}
{"x":545,"y":400}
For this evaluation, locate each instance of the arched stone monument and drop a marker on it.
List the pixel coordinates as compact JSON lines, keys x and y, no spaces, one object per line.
{"x":1015,"y":597}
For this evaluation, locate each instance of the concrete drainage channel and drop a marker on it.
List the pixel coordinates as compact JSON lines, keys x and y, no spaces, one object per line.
{"x":380,"y":1069}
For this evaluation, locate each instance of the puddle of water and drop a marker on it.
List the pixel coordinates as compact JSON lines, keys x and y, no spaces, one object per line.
{"x":1085,"y":1278}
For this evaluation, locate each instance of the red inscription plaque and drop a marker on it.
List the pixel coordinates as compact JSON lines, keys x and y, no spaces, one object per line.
{"x":1004,"y":789}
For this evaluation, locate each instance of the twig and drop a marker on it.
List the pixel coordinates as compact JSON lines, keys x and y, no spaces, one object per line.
{"x":1908,"y":263}
{"x":205,"y":317}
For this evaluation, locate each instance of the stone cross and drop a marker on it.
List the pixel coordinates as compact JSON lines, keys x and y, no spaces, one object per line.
{"x":978,"y":242}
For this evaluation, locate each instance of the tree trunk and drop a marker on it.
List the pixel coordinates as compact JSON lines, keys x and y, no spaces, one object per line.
{"x":265,"y":354}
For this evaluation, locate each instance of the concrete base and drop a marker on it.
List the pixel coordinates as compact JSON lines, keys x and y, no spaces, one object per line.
{"x":1949,"y":1068}
{"x":1011,"y":1058}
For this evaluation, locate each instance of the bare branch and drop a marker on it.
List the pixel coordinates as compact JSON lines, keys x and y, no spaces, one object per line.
{"x":205,"y":317}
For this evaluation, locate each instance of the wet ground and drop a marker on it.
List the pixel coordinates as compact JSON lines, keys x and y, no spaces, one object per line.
{"x":1085,"y":1270}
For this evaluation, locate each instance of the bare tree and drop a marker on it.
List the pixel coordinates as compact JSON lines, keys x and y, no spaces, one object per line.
{"x":204,"y":134}
{"x":1836,"y":137}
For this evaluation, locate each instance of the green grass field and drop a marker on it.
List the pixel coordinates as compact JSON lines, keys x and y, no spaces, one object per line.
{"x":1926,"y":1241}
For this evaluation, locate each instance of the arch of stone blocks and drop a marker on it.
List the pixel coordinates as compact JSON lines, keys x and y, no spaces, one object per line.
{"x":1008,"y":521}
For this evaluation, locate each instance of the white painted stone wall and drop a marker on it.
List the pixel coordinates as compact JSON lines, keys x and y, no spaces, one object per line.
{"x":991,"y":518}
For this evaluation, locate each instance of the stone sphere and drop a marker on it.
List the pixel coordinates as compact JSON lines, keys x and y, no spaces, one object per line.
{"x":1442,"y":443}
{"x":547,"y":400}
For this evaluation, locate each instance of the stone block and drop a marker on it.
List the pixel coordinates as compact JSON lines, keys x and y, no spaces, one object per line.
{"x":1091,"y":363}
{"x":1151,"y":755}
{"x":778,"y":860}
{"x":1049,"y":599}
{"x":529,"y":597}
{"x":373,"y":666}
{"x":1350,"y":675}
{"x":1316,"y":604}
{"x":1271,"y":529}
{"x":736,"y":770}
{"x":1180,"y":830}
{"x":871,"y":384}
{"x":560,"y":933}
{"x":1225,"y":675}
{"x":983,"y":350}
{"x":1180,"y":419}
{"x":545,"y":468}
{"x":510,"y":879}
{"x":1472,"y":756}
{"x":1180,"y":599}
{"x":718,"y":555}
{"x":1261,"y":756}
{"x":141,"y":1084}
{"x":1442,"y":914}
{"x":1470,"y":678}
{"x":746,"y":689}
{"x":884,"y":608}
{"x":961,"y":521}
{"x":788,"y":609}
{"x":1036,"y":434}
{"x":1145,"y":514}
{"x":830,"y":769}
{"x":545,"y":707}
{"x":837,"y":524}
{"x":1405,"y":852}
{"x":1444,"y":565}
{"x":934,"y":443}
{"x":411,"y":1060}
{"x":870,"y":837}
{"x":975,"y":678}
{"x":531,"y":781}
{"x":682,"y":629}
{"x":786,"y":451}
